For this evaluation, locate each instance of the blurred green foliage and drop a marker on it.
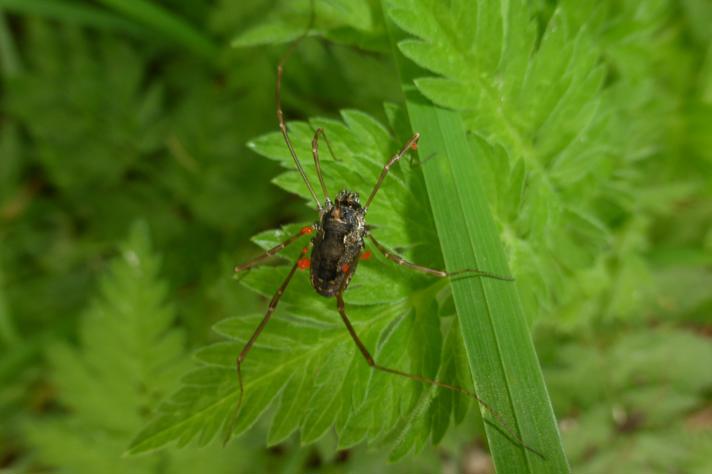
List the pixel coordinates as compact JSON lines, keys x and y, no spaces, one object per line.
{"x":128,"y":191}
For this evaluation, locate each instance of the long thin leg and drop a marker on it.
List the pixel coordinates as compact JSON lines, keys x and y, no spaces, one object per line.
{"x":414,"y":161}
{"x":315,"y":152}
{"x":431,"y":271}
{"x":419,"y":378}
{"x":280,"y":113}
{"x":410,"y":144}
{"x":328,"y":145}
{"x":248,"y":346}
{"x":274,"y":250}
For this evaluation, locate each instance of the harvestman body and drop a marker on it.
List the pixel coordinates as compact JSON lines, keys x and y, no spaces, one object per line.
{"x":337,"y":244}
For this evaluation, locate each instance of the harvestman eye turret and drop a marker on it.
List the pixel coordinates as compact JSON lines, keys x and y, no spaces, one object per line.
{"x":337,"y":244}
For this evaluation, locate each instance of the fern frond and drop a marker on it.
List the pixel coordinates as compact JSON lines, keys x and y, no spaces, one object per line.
{"x":129,"y":357}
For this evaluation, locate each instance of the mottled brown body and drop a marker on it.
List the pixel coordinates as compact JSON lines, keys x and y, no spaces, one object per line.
{"x":338,"y":243}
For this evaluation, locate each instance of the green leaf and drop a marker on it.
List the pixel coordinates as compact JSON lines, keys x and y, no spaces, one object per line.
{"x":538,"y":107}
{"x":145,"y":15}
{"x":71,"y":12}
{"x":8,"y":332}
{"x":85,"y":137}
{"x":129,"y":357}
{"x":502,"y":358}
{"x":289,"y":19}
{"x":504,"y":365}
{"x":305,"y":362}
{"x":284,"y":22}
{"x":632,"y":400}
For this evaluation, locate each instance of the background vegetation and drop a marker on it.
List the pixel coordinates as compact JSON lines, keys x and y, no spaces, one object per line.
{"x":132,"y":177}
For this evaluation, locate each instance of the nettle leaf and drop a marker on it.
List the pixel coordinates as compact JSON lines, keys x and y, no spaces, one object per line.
{"x":128,"y":359}
{"x":305,"y":364}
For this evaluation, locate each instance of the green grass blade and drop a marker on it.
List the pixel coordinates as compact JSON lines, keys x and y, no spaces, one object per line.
{"x":504,"y":365}
{"x":167,"y":24}
{"x":142,"y":18}
{"x":501,"y":355}
{"x":10,"y":64}
{"x":71,"y":12}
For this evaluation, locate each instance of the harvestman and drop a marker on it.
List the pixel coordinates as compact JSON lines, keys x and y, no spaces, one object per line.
{"x":337,"y":244}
